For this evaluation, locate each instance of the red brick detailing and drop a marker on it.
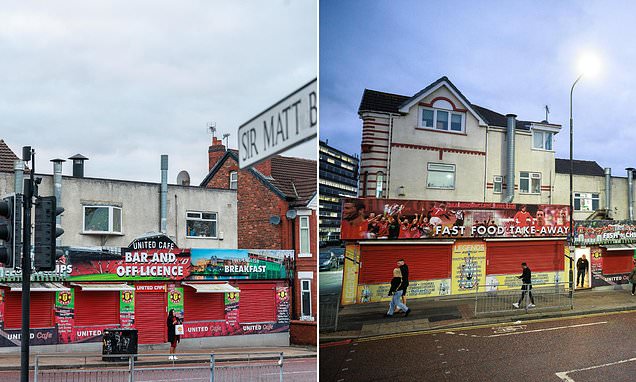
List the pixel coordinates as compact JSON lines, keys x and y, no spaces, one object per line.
{"x":433,"y":148}
{"x":375,"y":124}
{"x":455,"y":108}
{"x":256,"y":203}
{"x":303,"y":332}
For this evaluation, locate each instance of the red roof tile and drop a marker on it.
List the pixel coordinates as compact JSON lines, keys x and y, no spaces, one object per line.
{"x":7,"y":157}
{"x":295,"y":177}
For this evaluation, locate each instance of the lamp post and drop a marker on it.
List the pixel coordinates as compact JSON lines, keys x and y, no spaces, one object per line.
{"x":571,"y":231}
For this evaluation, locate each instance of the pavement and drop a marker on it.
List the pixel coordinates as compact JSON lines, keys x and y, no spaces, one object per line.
{"x":589,"y":348}
{"x":367,"y":320}
{"x":69,"y":360}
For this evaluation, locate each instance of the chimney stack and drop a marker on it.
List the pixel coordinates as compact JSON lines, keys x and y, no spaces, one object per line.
{"x":78,"y":165}
{"x":215,"y":152}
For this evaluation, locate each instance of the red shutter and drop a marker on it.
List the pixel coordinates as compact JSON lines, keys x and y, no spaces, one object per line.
{"x":41,"y":313}
{"x":203,"y":306}
{"x":150,"y":317}
{"x":96,"y":308}
{"x":615,"y":262}
{"x":425,"y":262}
{"x":505,"y":257}
{"x":257,"y":303}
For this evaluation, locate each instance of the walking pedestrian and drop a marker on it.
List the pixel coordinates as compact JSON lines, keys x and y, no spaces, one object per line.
{"x":396,"y":293}
{"x":405,"y":278}
{"x":582,"y":265}
{"x":632,"y":279}
{"x":173,"y":338}
{"x":526,"y":278}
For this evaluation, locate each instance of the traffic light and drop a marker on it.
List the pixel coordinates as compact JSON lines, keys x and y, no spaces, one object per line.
{"x":11,"y":230}
{"x":46,"y":232}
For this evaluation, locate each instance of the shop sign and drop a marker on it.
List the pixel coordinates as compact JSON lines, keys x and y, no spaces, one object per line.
{"x":229,"y":264}
{"x":141,"y":288}
{"x":369,"y":219}
{"x":43,"y":336}
{"x":597,"y":232}
{"x":282,"y":305}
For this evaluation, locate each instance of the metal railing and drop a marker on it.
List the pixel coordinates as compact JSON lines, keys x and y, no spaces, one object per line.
{"x":491,"y":299}
{"x":261,"y":367}
{"x":329,"y":306}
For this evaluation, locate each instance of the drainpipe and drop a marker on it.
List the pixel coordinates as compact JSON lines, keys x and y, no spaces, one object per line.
{"x":630,"y":192}
{"x":608,"y":191}
{"x":57,"y":190}
{"x":164,"y":193}
{"x":510,"y":157}
{"x":18,"y":171}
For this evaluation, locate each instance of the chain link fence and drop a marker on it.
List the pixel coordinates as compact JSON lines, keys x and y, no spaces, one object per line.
{"x":257,"y":367}
{"x":490,"y":300}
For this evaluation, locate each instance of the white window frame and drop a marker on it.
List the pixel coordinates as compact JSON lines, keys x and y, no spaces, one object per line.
{"x":587,"y":198}
{"x":379,"y":183}
{"x":543,"y":133}
{"x":111,"y":209}
{"x":303,"y":290}
{"x":200,"y":218}
{"x":234,"y":174}
{"x":497,"y":179}
{"x":428,"y":170}
{"x":303,"y":225}
{"x":450,"y":118}
{"x":532,"y":176}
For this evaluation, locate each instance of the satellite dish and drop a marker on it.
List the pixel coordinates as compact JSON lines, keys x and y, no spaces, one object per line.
{"x":183,"y":179}
{"x":291,"y":214}
{"x":275,"y":220}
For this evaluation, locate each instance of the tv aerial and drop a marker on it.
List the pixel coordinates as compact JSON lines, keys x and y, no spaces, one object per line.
{"x":212,"y":128}
{"x":226,"y":136}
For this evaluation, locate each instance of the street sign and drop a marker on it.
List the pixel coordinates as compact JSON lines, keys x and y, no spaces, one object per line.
{"x":290,"y":122}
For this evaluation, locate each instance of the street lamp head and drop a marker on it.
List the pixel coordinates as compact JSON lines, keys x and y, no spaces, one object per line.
{"x":589,"y":65}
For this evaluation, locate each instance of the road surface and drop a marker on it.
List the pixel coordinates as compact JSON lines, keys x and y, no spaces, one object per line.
{"x":579,"y":349}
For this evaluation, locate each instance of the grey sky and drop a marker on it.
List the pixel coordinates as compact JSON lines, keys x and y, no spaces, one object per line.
{"x":509,"y":56}
{"x":123,"y":82}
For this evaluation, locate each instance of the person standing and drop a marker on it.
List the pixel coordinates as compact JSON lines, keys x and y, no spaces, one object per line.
{"x":632,"y":279}
{"x":526,"y":278}
{"x":404,"y":269}
{"x":582,"y":266}
{"x":173,"y":338}
{"x":396,"y":293}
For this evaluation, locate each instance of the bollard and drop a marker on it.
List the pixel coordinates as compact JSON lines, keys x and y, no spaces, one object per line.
{"x":280,"y":363}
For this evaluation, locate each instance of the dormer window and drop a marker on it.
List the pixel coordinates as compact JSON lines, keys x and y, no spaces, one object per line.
{"x":443,"y":120}
{"x":542,"y":140}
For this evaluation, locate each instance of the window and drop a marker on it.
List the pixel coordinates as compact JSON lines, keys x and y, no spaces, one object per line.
{"x":304,"y":234}
{"x":497,"y":184}
{"x":233,"y":180}
{"x":586,"y":201}
{"x":441,"y":176}
{"x":102,"y":219}
{"x":378,"y":184}
{"x":201,"y":224}
{"x":305,"y":298}
{"x":530,"y":183}
{"x":542,"y":140}
{"x":444,"y":120}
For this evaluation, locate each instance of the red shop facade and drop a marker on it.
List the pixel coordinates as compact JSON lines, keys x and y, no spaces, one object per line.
{"x":217,"y":293}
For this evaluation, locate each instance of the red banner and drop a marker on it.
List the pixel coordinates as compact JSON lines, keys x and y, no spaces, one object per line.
{"x":419,"y":219}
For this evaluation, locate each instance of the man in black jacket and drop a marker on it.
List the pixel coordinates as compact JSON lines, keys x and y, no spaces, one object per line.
{"x":526,"y":278}
{"x":405,"y":278}
{"x":582,"y":266}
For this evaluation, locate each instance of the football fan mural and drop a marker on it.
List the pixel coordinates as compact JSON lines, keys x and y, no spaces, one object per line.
{"x":159,"y":260}
{"x":391,"y":219}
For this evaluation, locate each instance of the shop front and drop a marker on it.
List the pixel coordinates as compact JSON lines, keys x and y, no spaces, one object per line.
{"x":450,"y":248}
{"x":216,"y":292}
{"x":610,"y":248}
